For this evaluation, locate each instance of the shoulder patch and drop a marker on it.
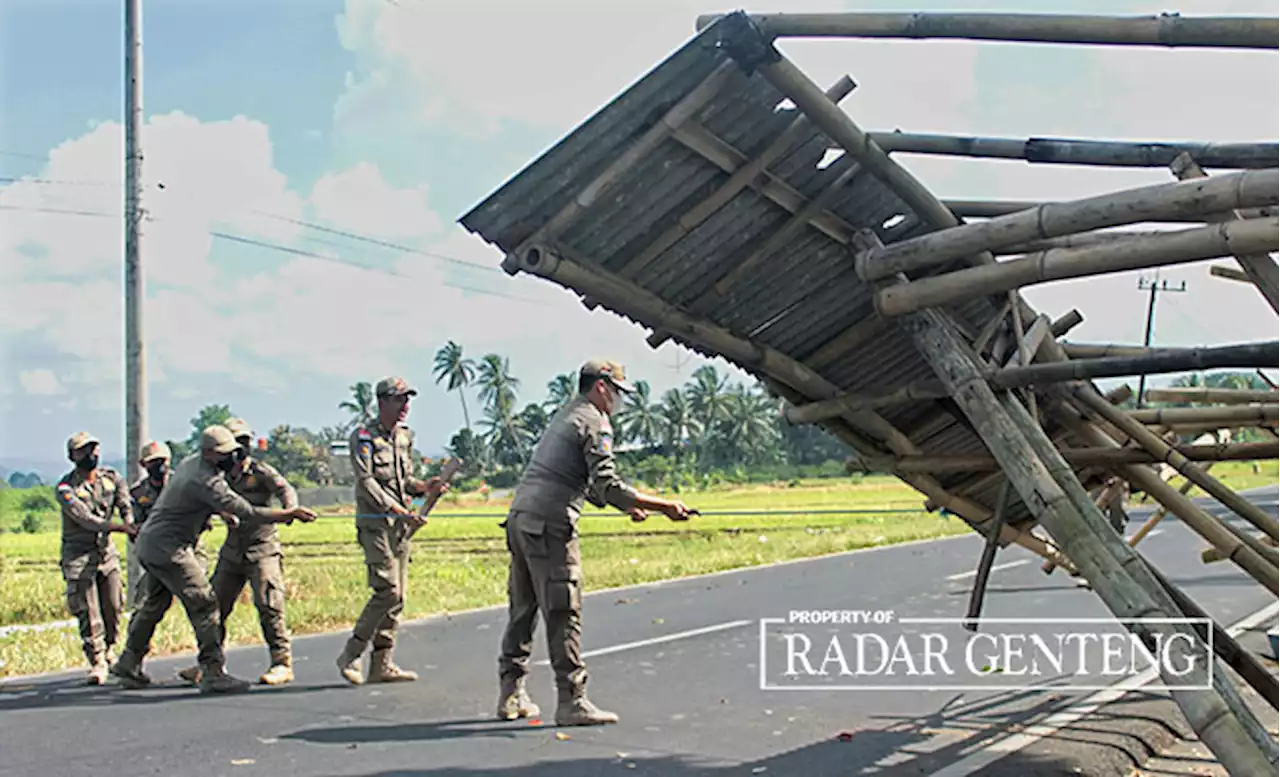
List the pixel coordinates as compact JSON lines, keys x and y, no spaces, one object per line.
{"x":363,"y":434}
{"x":606,"y":441}
{"x":65,"y":493}
{"x":365,"y":449}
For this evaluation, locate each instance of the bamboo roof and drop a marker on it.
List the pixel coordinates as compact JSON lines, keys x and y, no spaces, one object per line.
{"x":638,"y":210}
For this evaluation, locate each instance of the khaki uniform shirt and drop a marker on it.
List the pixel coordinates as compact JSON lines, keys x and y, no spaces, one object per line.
{"x":382,"y":460}
{"x":196,"y":490}
{"x":257,"y":483}
{"x":145,"y":493}
{"x":86,"y":510}
{"x":573,"y":463}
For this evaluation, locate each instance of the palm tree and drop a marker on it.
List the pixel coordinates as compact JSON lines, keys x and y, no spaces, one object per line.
{"x":678,"y":420}
{"x":560,"y":390}
{"x":639,"y":420}
{"x":497,"y":385}
{"x":707,"y":397}
{"x":459,"y":371}
{"x":505,"y":434}
{"x":748,"y":427}
{"x":362,"y":406}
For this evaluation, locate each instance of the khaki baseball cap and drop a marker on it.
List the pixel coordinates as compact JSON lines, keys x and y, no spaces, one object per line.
{"x":239,"y":427}
{"x":79,"y":440}
{"x":219,"y":439}
{"x":395,"y":386}
{"x":154,"y":450}
{"x":611,"y":371}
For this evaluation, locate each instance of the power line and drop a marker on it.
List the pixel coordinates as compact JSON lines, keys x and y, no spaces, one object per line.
{"x":301,"y":252}
{"x":1155,"y":287}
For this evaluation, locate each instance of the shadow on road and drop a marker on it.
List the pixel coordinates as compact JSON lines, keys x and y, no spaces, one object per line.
{"x":74,"y":693}
{"x":1110,"y":741}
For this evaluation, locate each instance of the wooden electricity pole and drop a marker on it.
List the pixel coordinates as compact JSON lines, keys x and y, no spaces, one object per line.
{"x":134,"y":290}
{"x":1155,"y":288}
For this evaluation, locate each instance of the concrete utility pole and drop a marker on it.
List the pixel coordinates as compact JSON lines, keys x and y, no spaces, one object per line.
{"x":1155,"y":287}
{"x":134,"y":291}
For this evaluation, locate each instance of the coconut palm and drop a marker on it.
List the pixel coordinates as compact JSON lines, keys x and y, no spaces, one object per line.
{"x":362,"y":406}
{"x":497,"y":385}
{"x":560,"y":390}
{"x":639,"y":419}
{"x":459,"y":371}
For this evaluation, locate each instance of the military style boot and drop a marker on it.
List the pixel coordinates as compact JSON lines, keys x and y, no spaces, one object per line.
{"x":349,"y":662}
{"x":97,"y":671}
{"x":382,"y":670}
{"x":575,"y":709}
{"x":514,"y":701}
{"x":216,"y":680}
{"x":191,"y":675}
{"x":128,"y":670}
{"x":281,"y":671}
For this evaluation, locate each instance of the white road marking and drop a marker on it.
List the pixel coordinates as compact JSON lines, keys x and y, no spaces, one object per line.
{"x":1011,"y":744}
{"x":659,"y":640}
{"x":973,"y":572}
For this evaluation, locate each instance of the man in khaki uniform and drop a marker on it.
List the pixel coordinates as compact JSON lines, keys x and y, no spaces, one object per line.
{"x":166,"y":548}
{"x":154,"y":459}
{"x":573,"y":463}
{"x":252,"y":554}
{"x":382,"y":461}
{"x":89,"y":561}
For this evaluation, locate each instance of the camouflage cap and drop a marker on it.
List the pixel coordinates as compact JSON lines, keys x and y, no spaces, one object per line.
{"x":79,"y":440}
{"x":239,"y":427}
{"x":153,"y":451}
{"x":612,"y":371}
{"x":394,"y":386}
{"x":218,"y":438}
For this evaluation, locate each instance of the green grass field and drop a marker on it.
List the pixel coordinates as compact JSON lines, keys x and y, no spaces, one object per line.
{"x":460,"y":557}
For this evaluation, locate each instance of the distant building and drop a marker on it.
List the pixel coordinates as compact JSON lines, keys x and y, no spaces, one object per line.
{"x":340,"y":462}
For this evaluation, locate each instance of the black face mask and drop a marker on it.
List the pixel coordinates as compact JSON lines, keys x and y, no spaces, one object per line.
{"x":226,"y":463}
{"x":87,"y":464}
{"x":239,"y":455}
{"x":157,"y":470}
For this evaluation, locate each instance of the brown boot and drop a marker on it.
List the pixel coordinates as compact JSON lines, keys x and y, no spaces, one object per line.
{"x":128,"y":670}
{"x":214,"y":679}
{"x":382,"y":670}
{"x":514,"y":701}
{"x":281,"y":671}
{"x":191,"y":675}
{"x":575,"y":709}
{"x":349,"y":662}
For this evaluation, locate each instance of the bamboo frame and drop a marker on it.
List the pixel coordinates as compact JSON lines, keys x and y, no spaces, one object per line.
{"x":1212,"y":395}
{"x":1232,"y":356}
{"x":991,"y":209}
{"x":1182,"y":247}
{"x":1081,"y":457}
{"x":1163,"y":30}
{"x":1246,"y":189}
{"x":1068,"y":151}
{"x":1259,"y":267}
{"x":1230,"y":273}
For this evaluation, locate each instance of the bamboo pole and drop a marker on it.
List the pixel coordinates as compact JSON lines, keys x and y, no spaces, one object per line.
{"x":1260,"y":267}
{"x":1171,"y":456}
{"x":1102,"y":350}
{"x":1256,"y":32}
{"x":1222,"y":416}
{"x":1223,"y":536}
{"x":1081,"y":240}
{"x":1079,"y":457}
{"x":1159,"y":514}
{"x":992,"y":209}
{"x":1106,"y":495}
{"x":1069,"y":320}
{"x":989,"y":549}
{"x":830,"y":408}
{"x":1181,"y":247}
{"x":1111,"y":567}
{"x":1183,"y":360}
{"x":1108,"y":153}
{"x":1230,"y":273}
{"x":1212,"y":395}
{"x":740,"y":179}
{"x":603,"y":183}
{"x":1250,"y":188}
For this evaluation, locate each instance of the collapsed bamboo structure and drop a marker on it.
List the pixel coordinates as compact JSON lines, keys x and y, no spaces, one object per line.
{"x":699,"y":208}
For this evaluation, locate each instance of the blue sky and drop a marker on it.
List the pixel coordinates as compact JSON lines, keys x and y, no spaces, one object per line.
{"x":388,"y":119}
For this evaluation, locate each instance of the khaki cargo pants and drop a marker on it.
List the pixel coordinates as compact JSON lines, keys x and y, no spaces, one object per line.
{"x":181,"y":574}
{"x":95,"y":597}
{"x":137,"y":574}
{"x":387,"y":562}
{"x":545,"y":576}
{"x":265,"y":577}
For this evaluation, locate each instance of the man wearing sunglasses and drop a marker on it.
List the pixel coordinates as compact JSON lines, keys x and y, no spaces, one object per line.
{"x":573,"y":463}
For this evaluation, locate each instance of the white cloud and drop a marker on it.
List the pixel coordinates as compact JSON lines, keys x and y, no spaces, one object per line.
{"x":39,"y":382}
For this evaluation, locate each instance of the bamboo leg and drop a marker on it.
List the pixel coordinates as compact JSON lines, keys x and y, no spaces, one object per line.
{"x":988,"y":556}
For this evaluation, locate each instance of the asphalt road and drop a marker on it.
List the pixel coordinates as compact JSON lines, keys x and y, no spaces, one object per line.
{"x":679,"y":661}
